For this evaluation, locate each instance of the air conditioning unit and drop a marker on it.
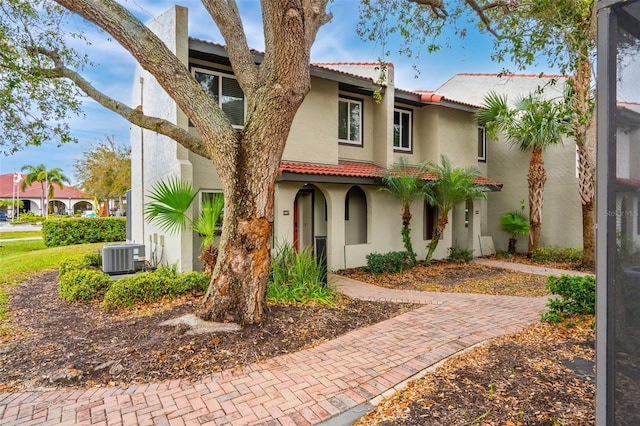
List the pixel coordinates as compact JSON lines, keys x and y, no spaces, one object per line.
{"x":122,"y":258}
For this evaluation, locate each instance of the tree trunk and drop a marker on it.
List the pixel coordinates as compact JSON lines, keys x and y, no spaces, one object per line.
{"x":406,"y":232}
{"x":512,"y":246}
{"x":443,"y":219}
{"x":584,"y":131}
{"x":537,"y":178}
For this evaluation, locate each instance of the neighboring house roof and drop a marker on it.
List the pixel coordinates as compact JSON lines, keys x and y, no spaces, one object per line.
{"x":34,"y":190}
{"x":355,"y":170}
{"x":473,"y":87}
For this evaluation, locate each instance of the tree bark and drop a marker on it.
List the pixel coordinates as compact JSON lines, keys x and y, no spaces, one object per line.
{"x":443,"y":219}
{"x":583,"y":128}
{"x":537,"y":178}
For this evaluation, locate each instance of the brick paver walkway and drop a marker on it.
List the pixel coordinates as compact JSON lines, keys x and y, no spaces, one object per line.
{"x":302,"y":388}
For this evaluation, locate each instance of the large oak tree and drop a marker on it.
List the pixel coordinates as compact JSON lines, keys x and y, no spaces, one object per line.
{"x":246,"y":161}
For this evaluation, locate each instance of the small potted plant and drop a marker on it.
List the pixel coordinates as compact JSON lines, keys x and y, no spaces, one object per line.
{"x":516,"y":224}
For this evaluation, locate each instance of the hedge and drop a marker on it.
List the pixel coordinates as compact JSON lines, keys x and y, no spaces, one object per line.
{"x":67,"y":232}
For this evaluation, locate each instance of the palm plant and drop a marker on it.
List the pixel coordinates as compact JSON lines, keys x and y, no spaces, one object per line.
{"x":532,"y":124}
{"x":515,"y":224}
{"x":44,"y":177}
{"x":452,"y":186}
{"x":170,"y":201}
{"x":405,"y":183}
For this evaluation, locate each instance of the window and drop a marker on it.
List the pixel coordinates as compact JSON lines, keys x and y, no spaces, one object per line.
{"x":350,"y":121}
{"x":209,"y":208}
{"x":482,"y":144}
{"x":430,"y":220}
{"x":226,"y":91}
{"x":402,"y":130}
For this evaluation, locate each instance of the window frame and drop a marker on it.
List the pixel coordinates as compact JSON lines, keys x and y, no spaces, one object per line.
{"x":360,"y":103}
{"x":482,"y":139}
{"x":221,"y":75}
{"x":408,"y":112}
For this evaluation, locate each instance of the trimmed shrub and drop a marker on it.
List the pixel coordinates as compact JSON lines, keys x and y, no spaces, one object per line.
{"x":394,"y":261}
{"x":458,"y":254}
{"x":85,"y":261}
{"x":196,"y":282}
{"x":59,"y":232}
{"x":577,"y":297}
{"x":557,"y":254}
{"x":83,"y":284}
{"x":149,"y":287}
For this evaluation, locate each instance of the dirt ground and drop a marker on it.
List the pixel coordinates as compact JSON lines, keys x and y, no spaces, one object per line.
{"x":542,"y":376}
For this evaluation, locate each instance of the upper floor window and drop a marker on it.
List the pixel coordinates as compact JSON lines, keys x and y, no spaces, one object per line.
{"x":350,"y":121}
{"x":402,"y":130}
{"x":482,"y":144}
{"x":225,"y":90}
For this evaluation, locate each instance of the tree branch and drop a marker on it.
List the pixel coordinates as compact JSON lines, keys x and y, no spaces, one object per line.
{"x":226,"y":15}
{"x":155,"y":57}
{"x":135,"y":116}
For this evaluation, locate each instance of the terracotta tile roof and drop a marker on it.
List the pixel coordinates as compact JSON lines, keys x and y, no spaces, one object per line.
{"x":429,"y":96}
{"x":34,"y":191}
{"x":352,"y":169}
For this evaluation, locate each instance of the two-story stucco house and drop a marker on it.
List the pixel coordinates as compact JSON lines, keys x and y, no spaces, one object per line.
{"x":562,"y":214}
{"x":340,"y":142}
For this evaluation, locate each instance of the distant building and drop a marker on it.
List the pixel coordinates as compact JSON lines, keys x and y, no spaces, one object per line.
{"x":68,"y":200}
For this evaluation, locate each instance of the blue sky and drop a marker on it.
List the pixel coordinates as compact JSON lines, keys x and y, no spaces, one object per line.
{"x":337,"y":41}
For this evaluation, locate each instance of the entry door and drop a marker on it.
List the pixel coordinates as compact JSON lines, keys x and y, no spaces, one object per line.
{"x":303,"y":220}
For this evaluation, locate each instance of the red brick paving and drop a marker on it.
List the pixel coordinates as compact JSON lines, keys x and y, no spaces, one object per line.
{"x":302,"y":388}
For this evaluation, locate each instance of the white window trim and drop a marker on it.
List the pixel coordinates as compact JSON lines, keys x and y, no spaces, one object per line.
{"x":484,"y":144}
{"x":348,"y":141}
{"x":222,"y":75}
{"x":410,"y":114}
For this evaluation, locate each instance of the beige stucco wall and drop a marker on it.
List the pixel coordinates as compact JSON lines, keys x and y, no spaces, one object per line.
{"x":311,"y":139}
{"x":561,"y":216}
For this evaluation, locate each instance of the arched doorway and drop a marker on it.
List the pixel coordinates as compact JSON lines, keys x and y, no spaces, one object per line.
{"x":309,"y":217}
{"x":57,"y":207}
{"x":355,"y":216}
{"x":81,"y":207}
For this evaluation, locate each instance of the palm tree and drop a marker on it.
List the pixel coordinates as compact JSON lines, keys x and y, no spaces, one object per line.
{"x":450,"y":187}
{"x":532,"y":124}
{"x":45,"y":177}
{"x":405,"y":183}
{"x":170,"y":200}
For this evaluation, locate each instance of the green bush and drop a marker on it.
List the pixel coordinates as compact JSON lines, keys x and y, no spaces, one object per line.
{"x":577,"y":297}
{"x":557,"y":254}
{"x":83,"y":284}
{"x":149,"y":287}
{"x":28,"y":217}
{"x":58,"y":232}
{"x":84,"y":261}
{"x":394,"y":261}
{"x":458,"y":254}
{"x":295,"y":276}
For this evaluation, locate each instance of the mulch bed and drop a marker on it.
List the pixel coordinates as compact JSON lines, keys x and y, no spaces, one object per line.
{"x":454,"y":277}
{"x":61,"y":344}
{"x":541,"y":376}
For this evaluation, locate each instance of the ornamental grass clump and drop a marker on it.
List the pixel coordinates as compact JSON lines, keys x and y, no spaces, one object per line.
{"x":296,"y":277}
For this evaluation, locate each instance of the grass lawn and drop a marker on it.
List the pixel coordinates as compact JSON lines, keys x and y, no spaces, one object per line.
{"x":7,"y":235}
{"x":21,"y":259}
